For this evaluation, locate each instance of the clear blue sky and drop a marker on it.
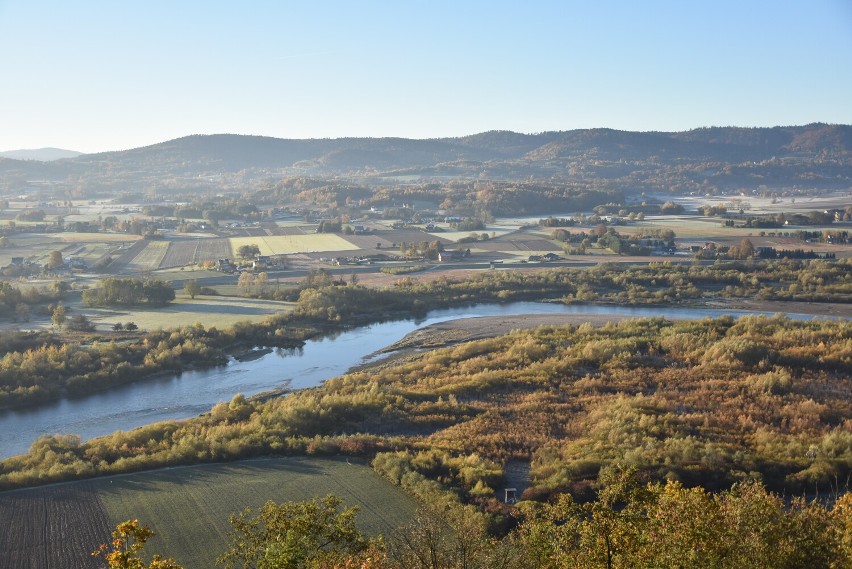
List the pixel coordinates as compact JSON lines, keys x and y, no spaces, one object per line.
{"x":107,"y":75}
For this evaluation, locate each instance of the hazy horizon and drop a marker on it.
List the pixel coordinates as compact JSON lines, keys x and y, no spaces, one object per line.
{"x":93,"y":77}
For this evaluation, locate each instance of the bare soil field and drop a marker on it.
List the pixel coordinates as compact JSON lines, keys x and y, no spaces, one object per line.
{"x":518,"y":244}
{"x":373,"y":242}
{"x":52,"y":528}
{"x":188,"y":252}
{"x":398,"y":236}
{"x":181,"y":253}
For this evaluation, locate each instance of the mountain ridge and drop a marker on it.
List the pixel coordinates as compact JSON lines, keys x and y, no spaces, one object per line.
{"x":496,"y":154}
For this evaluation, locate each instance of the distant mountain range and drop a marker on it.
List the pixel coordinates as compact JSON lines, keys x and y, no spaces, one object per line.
{"x":40,"y":154}
{"x":602,"y":153}
{"x":228,"y":152}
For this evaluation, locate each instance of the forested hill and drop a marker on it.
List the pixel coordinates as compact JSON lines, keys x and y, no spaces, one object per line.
{"x":595,"y":153}
{"x":230,"y":152}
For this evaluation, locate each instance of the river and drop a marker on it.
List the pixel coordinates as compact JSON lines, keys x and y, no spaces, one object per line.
{"x":194,"y":392}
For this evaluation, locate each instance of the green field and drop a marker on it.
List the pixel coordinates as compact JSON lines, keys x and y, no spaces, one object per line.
{"x":188,"y":507}
{"x":218,"y":311}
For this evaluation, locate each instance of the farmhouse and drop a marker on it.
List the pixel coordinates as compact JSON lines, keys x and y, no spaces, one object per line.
{"x":458,"y":255}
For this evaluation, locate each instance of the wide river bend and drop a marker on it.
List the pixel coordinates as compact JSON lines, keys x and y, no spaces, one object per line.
{"x":193,"y":392}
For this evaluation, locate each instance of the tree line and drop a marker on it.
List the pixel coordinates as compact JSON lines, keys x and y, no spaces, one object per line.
{"x":129,"y":292}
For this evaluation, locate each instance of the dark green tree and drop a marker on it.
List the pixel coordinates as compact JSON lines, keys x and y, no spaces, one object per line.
{"x":158,"y":292}
{"x":248,"y":251}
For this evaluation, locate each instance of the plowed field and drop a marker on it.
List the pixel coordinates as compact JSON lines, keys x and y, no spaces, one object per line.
{"x":52,"y":528}
{"x":57,"y":527}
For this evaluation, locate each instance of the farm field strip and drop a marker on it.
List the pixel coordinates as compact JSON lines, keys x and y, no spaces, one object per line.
{"x":416,"y":236}
{"x":72,"y":237}
{"x":30,"y":240}
{"x":149,"y":258}
{"x":286,"y":244}
{"x":371,"y":241}
{"x":456,"y":235}
{"x":212,"y":249}
{"x":287,"y":230}
{"x":58,"y":526}
{"x":128,"y":255}
{"x":508,"y":245}
{"x":179,"y":254}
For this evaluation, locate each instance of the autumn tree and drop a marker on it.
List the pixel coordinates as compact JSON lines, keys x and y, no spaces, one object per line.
{"x":294,"y":535}
{"x":260,"y":280}
{"x":192,"y":288}
{"x":54,"y":260}
{"x":245,"y":282}
{"x":671,"y":208}
{"x":451,"y":537}
{"x":745,"y":249}
{"x":58,"y":316}
{"x":125,"y":550}
{"x":634,"y":525}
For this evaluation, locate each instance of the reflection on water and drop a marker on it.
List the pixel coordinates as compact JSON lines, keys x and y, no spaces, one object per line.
{"x":194,"y":392}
